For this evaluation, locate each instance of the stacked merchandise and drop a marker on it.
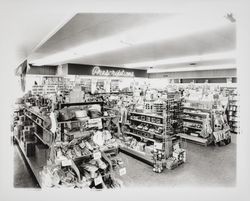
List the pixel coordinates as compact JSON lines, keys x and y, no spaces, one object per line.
{"x":221,"y":129}
{"x":233,"y":111}
{"x":70,"y":155}
{"x":147,"y":132}
{"x":177,"y":122}
{"x":197,"y":117}
{"x":178,"y":157}
{"x":37,"y":90}
{"x":85,"y":85}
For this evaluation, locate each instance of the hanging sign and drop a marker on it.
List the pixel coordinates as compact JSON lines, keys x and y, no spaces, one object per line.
{"x":122,"y":171}
{"x":97,"y":155}
{"x":114,"y":73}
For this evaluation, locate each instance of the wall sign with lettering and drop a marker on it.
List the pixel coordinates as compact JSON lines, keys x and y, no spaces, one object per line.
{"x":114,"y":73}
{"x":105,"y":71}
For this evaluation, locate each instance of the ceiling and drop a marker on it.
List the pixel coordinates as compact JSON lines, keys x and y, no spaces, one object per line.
{"x":92,"y":29}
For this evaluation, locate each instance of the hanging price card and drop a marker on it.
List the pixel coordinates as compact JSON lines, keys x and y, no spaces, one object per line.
{"x":157,"y":145}
{"x":98,"y":180}
{"x":66,"y":162}
{"x":122,"y":171}
{"x":97,"y":155}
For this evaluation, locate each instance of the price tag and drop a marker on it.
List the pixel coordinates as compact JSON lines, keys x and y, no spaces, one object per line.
{"x":82,"y":145}
{"x":98,"y":180}
{"x":122,"y":171}
{"x":66,"y":162}
{"x":97,"y":155}
{"x":157,"y":145}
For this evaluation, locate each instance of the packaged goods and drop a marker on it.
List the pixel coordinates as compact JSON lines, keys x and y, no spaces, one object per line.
{"x":47,"y":122}
{"x":66,"y":114}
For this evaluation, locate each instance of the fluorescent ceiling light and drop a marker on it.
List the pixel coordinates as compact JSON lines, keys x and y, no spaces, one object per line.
{"x":197,"y":68}
{"x":179,"y":60}
{"x":166,"y":28}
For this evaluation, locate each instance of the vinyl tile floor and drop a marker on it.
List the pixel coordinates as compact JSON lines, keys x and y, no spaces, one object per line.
{"x":205,"y":167}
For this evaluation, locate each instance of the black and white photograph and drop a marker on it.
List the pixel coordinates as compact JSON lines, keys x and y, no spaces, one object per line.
{"x":107,"y":104}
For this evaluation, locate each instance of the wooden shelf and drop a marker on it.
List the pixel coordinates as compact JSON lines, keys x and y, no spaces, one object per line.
{"x":140,"y":155}
{"x":159,"y":135}
{"x":82,"y":157}
{"x":37,"y":123}
{"x":193,"y":127}
{"x":41,"y":139}
{"x":196,"y":120}
{"x":146,"y":138}
{"x":145,"y":114}
{"x":195,"y":139}
{"x":147,"y":122}
{"x":35,"y":113}
{"x":76,"y":121}
{"x":199,"y":114}
{"x":62,"y":105}
{"x":193,"y":108}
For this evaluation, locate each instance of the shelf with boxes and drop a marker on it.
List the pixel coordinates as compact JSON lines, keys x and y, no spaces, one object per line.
{"x":233,"y":108}
{"x":197,"y":122}
{"x":82,"y":158}
{"x":148,"y":135}
{"x":233,"y":114}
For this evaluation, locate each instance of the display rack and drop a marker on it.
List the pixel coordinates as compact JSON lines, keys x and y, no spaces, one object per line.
{"x":194,"y":117}
{"x":233,"y":108}
{"x":233,"y":113}
{"x":31,"y":161}
{"x":37,"y":144}
{"x":37,"y":135}
{"x":153,"y":129}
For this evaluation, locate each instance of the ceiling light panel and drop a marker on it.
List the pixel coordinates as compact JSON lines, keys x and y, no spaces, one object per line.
{"x":189,"y":59}
{"x":165,"y":28}
{"x":193,"y":68}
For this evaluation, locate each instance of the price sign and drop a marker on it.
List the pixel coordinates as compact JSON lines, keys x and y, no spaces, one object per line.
{"x":66,"y":162}
{"x":82,"y":145}
{"x":157,"y":145}
{"x":97,"y":155}
{"x":122,"y":171}
{"x":98,"y":180}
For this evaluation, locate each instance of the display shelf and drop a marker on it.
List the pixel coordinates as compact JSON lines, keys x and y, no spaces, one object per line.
{"x":71,"y":121}
{"x":146,"y":138}
{"x":140,"y":155}
{"x":62,"y":105}
{"x":41,"y":139}
{"x":189,"y":119}
{"x":114,"y":92}
{"x":79,"y":121}
{"x":195,"y":139}
{"x":31,"y":161}
{"x":145,"y":114}
{"x":35,"y":113}
{"x":37,"y":123}
{"x":82,"y":157}
{"x":193,"y":127}
{"x":147,"y":122}
{"x":198,"y":114}
{"x":193,"y":108}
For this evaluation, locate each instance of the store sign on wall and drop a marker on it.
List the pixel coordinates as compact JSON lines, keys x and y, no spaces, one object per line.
{"x":114,"y":73}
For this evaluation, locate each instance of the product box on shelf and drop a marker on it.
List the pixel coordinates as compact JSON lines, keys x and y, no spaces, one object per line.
{"x":27,"y":135}
{"x":149,"y":149}
{"x":47,"y":137}
{"x":29,"y":148}
{"x":41,"y":154}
